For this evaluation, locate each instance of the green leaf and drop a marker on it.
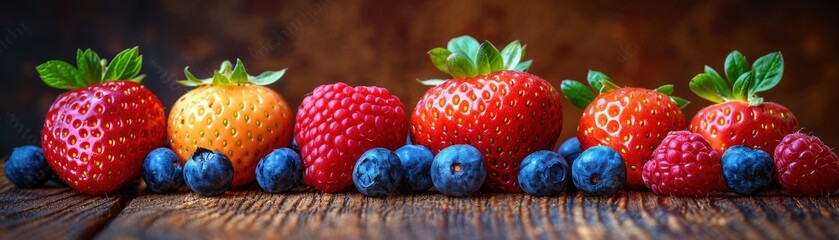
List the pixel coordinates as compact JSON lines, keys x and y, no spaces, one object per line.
{"x":465,"y":45}
{"x":268,"y":77}
{"x":666,"y":89}
{"x":577,"y":93}
{"x":138,"y":79}
{"x":607,"y":85}
{"x":704,"y":85}
{"x":438,"y":58}
{"x":432,"y":82}
{"x":680,"y":102}
{"x":594,"y":80}
{"x":710,"y":71}
{"x":742,"y":86}
{"x":461,"y":66}
{"x":735,"y":65}
{"x":89,"y":68}
{"x":512,"y":54}
{"x":768,"y":71}
{"x":226,"y":68}
{"x":126,"y":65}
{"x":220,"y":79}
{"x":59,"y":74}
{"x":523,"y":66}
{"x":489,"y":59}
{"x":239,"y":75}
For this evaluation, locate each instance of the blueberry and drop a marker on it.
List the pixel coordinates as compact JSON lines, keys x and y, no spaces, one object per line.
{"x":208,"y":173}
{"x":570,"y":149}
{"x":408,"y":140}
{"x":746,"y":170}
{"x":280,"y":171}
{"x":599,"y":171}
{"x":377,"y":172}
{"x":27,"y":167}
{"x":416,"y":165}
{"x":162,"y":171}
{"x":294,"y":145}
{"x":458,"y":170}
{"x":543,"y":173}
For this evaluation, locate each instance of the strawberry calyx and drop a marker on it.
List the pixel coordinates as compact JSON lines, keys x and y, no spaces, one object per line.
{"x":581,"y":96}
{"x":91,"y":70}
{"x":229,"y":75}
{"x":465,"y":57}
{"x":741,"y":82}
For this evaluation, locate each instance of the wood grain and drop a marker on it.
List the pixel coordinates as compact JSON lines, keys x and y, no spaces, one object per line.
{"x":248,"y":214}
{"x":54,"y":212}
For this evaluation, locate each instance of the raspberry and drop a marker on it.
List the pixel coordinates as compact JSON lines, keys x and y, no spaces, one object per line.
{"x":806,"y":166}
{"x":337,"y":123}
{"x":684,"y":164}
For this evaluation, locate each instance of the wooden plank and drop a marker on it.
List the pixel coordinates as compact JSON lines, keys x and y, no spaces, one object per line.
{"x":54,"y":212}
{"x":248,"y":214}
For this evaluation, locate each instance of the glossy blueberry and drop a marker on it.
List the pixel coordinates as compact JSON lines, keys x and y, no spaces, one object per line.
{"x":27,"y":167}
{"x":746,"y":170}
{"x":280,"y":171}
{"x":570,"y":149}
{"x":599,"y":171}
{"x":208,"y":173}
{"x":377,"y":172}
{"x":416,"y":165}
{"x":294,"y":145}
{"x":458,"y":170}
{"x":162,"y":171}
{"x":543,"y":173}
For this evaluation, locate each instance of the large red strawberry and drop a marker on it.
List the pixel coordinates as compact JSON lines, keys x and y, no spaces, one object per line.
{"x":491,"y":104}
{"x":96,"y":136}
{"x":337,"y":123}
{"x":632,"y":121}
{"x":739,"y":116}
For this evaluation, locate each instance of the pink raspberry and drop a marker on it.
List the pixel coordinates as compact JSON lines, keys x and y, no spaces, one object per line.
{"x":337,"y":123}
{"x":806,"y":166}
{"x":684,"y":164}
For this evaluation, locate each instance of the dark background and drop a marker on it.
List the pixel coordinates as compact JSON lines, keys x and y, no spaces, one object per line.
{"x":384,"y":43}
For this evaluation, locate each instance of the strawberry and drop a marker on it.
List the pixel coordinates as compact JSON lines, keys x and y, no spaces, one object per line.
{"x":491,"y":104}
{"x":633,"y":121}
{"x":739,"y":117}
{"x":96,"y":135}
{"x":232,"y":113}
{"x":337,"y":123}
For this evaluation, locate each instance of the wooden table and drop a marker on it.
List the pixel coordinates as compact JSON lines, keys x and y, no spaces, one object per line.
{"x":60,"y":213}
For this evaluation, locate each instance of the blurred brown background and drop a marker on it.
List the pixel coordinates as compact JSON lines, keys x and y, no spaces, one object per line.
{"x":384,"y":43}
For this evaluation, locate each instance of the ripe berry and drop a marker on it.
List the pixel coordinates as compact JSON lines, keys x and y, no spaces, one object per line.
{"x":377,"y":173}
{"x":458,"y":170}
{"x":599,"y":171}
{"x":27,"y":168}
{"x":684,"y":164}
{"x":416,"y":165}
{"x":162,"y":171}
{"x":208,"y":173}
{"x":747,"y":170}
{"x":543,"y":173}
{"x":806,"y":166}
{"x":280,"y":171}
{"x":337,"y":123}
{"x":570,"y":149}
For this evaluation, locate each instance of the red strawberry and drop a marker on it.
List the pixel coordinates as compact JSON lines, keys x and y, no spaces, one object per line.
{"x":337,"y":123}
{"x":740,"y":117}
{"x":96,"y":136}
{"x":632,"y":121}
{"x":806,"y":166}
{"x":684,"y":164}
{"x":491,"y":104}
